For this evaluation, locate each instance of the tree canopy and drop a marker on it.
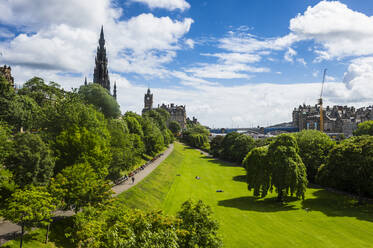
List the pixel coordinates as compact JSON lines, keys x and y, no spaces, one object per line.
{"x":364,"y":128}
{"x":98,"y":96}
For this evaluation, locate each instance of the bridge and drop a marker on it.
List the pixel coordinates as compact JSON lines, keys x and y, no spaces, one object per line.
{"x":263,"y":130}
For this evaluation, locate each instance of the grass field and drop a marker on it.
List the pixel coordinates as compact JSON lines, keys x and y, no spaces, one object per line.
{"x":332,"y":220}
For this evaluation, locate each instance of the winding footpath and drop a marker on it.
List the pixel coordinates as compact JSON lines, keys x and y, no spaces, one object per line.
{"x":9,"y":230}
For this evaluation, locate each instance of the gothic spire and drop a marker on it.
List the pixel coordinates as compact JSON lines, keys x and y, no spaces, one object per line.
{"x":115,"y":90}
{"x":85,"y":81}
{"x":101,"y":73}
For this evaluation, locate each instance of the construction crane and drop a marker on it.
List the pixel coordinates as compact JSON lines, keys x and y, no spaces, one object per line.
{"x":320,"y":104}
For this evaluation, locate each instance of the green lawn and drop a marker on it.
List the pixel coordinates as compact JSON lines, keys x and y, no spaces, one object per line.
{"x":332,"y":220}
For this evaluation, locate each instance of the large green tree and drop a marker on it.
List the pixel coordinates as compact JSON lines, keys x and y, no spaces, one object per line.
{"x":200,"y":226}
{"x":288,"y":171}
{"x":31,"y":160}
{"x":42,"y":93}
{"x":29,"y":207}
{"x":349,"y":166}
{"x":175,"y":127}
{"x":227,"y":146}
{"x":314,"y":147}
{"x":96,"y":95}
{"x":79,"y":134}
{"x":364,"y":128}
{"x":241,"y":146}
{"x":153,"y":138}
{"x":78,"y":186}
{"x":216,"y":145}
{"x":258,"y":171}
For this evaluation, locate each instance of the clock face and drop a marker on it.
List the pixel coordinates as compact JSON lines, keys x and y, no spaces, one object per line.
{"x":147,"y":98}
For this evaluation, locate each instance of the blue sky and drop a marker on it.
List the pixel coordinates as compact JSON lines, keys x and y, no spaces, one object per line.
{"x":233,"y":63}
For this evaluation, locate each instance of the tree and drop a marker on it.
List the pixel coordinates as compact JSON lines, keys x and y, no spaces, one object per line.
{"x":96,"y":95}
{"x":29,"y":207}
{"x":314,"y":147}
{"x":364,"y":128}
{"x":42,"y":93}
{"x":258,"y":171}
{"x":216,"y":145}
{"x":78,"y":186}
{"x":200,"y":228}
{"x":349,"y":166}
{"x":78,"y":133}
{"x":7,"y":186}
{"x":241,"y":146}
{"x":288,"y":171}
{"x":31,"y":160}
{"x":227,"y":145}
{"x":153,"y":138}
{"x":175,"y":127}
{"x":134,"y":125}
{"x":197,"y":136}
{"x":122,"y":227}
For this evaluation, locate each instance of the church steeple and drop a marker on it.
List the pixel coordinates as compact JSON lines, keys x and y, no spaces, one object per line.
{"x":115,"y":90}
{"x":101,"y":73}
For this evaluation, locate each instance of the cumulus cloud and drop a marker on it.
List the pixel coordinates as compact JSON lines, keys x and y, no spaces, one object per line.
{"x":341,"y":31}
{"x":56,"y":37}
{"x":290,"y":54}
{"x":165,"y":4}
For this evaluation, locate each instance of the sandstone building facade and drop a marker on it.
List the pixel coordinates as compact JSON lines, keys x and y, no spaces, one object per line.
{"x":337,"y":119}
{"x":6,"y":72}
{"x":177,"y":112}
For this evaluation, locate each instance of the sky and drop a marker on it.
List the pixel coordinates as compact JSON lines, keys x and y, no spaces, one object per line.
{"x":233,"y":63}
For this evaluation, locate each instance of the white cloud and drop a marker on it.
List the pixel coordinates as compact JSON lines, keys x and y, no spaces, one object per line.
{"x":37,"y":14}
{"x":290,"y":54}
{"x":166,"y":4}
{"x":341,"y":31}
{"x":190,"y":43}
{"x":301,"y":61}
{"x":66,"y":41}
{"x":225,"y":71}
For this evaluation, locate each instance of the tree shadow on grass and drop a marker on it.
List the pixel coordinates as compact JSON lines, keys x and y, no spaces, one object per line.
{"x":336,"y":205}
{"x":240,"y":178}
{"x":221,"y":162}
{"x":251,"y":203}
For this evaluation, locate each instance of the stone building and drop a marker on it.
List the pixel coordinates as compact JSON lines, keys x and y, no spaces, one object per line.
{"x":6,"y":72}
{"x":177,"y":112}
{"x":337,"y":119}
{"x":101,"y":72}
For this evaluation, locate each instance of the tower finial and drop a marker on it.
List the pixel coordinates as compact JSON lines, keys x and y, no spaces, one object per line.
{"x":102,"y":38}
{"x":115,"y":90}
{"x":85,"y":81}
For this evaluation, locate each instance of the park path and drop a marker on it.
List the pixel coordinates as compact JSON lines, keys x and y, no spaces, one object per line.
{"x":8,"y":230}
{"x":143,"y":173}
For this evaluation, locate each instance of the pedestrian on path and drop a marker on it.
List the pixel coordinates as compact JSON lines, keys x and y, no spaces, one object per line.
{"x":133,"y":180}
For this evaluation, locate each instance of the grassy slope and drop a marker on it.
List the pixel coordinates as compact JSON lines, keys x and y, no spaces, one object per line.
{"x":246,"y":222}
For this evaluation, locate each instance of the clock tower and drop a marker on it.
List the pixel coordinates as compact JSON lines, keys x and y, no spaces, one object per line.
{"x":148,"y":101}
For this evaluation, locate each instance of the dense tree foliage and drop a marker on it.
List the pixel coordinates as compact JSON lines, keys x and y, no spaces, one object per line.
{"x":288,"y":171}
{"x":196,"y":135}
{"x":314,"y":147}
{"x":201,"y":229}
{"x":216,"y":145}
{"x":29,"y":207}
{"x":349,"y":166}
{"x":111,"y":226}
{"x":232,"y":147}
{"x":78,"y":186}
{"x":31,"y":160}
{"x":99,"y":97}
{"x":364,"y":128}
{"x":258,"y":171}
{"x":175,"y":127}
